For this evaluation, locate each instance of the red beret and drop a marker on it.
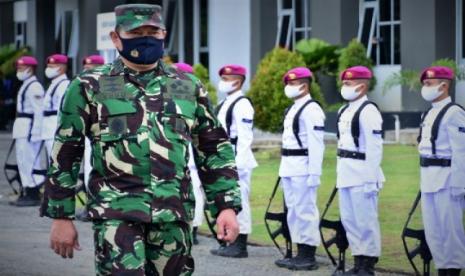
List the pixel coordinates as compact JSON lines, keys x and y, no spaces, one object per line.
{"x":26,"y":60}
{"x":437,"y":72}
{"x":233,"y":69}
{"x":297,"y":73}
{"x":57,"y":59}
{"x":184,"y":67}
{"x":356,"y":73}
{"x":93,"y":59}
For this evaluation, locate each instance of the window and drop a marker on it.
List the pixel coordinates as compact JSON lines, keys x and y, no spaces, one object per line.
{"x":67,"y":36}
{"x":379,"y":30}
{"x":187,"y":24}
{"x":20,"y":34}
{"x":460,"y":31}
{"x":293,"y":22}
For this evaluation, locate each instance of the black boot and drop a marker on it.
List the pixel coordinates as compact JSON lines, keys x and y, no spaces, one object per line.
{"x":358,"y":261}
{"x":284,"y":262}
{"x":305,"y":259}
{"x":32,"y":198}
{"x":194,"y":235}
{"x":237,"y":249}
{"x":442,"y":272}
{"x":453,"y":272}
{"x":368,"y":266}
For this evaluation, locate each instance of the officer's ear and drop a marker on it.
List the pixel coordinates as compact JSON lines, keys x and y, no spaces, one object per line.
{"x":116,"y":40}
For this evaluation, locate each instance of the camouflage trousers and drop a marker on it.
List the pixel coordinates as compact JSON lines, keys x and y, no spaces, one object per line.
{"x":131,"y":248}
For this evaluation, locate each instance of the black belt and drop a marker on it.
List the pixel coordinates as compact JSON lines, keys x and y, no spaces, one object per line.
{"x":233,"y":141}
{"x":25,"y":115}
{"x":351,"y":154}
{"x":438,"y":162}
{"x":294,"y":152}
{"x":50,"y":113}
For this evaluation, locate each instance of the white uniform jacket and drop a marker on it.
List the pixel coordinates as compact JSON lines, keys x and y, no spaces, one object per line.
{"x":355,"y":172}
{"x":450,"y":144}
{"x":52,"y":102}
{"x":241,"y":128}
{"x":29,"y":110}
{"x":311,"y":134}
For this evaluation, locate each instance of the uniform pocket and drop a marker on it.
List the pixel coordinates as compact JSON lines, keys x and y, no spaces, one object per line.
{"x":115,"y":119}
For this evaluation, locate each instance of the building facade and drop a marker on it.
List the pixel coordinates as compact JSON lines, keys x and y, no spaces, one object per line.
{"x":398,"y":34}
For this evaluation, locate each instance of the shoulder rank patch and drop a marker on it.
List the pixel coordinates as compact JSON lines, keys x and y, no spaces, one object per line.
{"x":462,"y":129}
{"x":321,"y":128}
{"x":247,"y":121}
{"x":378,"y":132}
{"x":112,"y":87}
{"x":179,"y":89}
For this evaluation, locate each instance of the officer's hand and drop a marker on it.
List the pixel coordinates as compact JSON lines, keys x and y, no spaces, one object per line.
{"x":64,"y":238}
{"x":228,"y":228}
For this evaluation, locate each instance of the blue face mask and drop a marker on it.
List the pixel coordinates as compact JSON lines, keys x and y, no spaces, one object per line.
{"x":142,"y":50}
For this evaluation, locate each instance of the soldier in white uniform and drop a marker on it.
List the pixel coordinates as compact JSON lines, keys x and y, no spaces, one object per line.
{"x":56,"y":71}
{"x":359,"y":174}
{"x":88,"y":63}
{"x":236,"y":114}
{"x":26,"y":128}
{"x":442,"y":161}
{"x":196,"y":184}
{"x":300,"y":170}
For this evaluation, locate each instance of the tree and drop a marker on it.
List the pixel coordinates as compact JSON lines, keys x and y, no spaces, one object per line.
{"x":267,"y":88}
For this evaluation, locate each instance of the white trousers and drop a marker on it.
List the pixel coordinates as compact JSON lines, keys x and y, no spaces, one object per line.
{"x":26,"y":153}
{"x":199,"y":198}
{"x":245,"y":216}
{"x":303,"y":217}
{"x":443,"y":223}
{"x":359,"y":216}
{"x":48,"y":146}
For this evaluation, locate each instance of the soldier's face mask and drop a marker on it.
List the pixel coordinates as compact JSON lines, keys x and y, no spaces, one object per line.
{"x":225,"y":87}
{"x":24,"y":74}
{"x":350,"y":93}
{"x":431,"y":93}
{"x":51,"y":72}
{"x":293,"y":91}
{"x":141,"y":50}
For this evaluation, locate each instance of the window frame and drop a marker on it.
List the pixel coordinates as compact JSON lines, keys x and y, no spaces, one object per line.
{"x":375,"y":30}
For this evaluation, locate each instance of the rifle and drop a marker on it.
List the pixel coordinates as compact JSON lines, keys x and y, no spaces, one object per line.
{"x":282,"y":229}
{"x":13,"y":167}
{"x":339,"y":239}
{"x":418,"y":234}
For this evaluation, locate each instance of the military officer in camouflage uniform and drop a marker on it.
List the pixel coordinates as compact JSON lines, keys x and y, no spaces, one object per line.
{"x":140,"y":115}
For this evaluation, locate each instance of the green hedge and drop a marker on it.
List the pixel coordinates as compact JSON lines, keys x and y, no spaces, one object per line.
{"x":202,"y":73}
{"x":352,"y":55}
{"x":267,"y":88}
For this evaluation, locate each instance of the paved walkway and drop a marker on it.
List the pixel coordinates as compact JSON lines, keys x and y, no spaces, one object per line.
{"x":24,"y":246}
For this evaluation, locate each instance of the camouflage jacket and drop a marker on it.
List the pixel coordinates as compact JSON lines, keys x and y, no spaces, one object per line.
{"x":140,"y":127}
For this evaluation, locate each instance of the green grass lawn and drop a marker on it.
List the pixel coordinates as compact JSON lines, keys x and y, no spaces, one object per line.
{"x":400,"y":165}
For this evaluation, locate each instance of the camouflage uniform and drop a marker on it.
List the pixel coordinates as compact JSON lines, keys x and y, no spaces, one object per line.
{"x":140,"y":192}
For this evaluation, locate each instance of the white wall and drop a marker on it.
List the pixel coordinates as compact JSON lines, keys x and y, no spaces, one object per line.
{"x":229,"y":35}
{"x":392,"y":99}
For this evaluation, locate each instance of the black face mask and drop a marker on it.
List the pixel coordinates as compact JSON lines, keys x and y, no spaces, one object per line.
{"x":142,"y":50}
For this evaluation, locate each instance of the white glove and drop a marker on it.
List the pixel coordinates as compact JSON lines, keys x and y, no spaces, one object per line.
{"x":457,"y":193}
{"x":313,"y":180}
{"x":370,"y":189}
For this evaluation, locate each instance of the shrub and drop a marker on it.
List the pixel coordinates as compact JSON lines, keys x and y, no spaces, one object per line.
{"x":319,"y":55}
{"x":352,"y":55}
{"x":202,"y":73}
{"x":267,"y":88}
{"x":8,"y":56}
{"x":411,"y":78}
